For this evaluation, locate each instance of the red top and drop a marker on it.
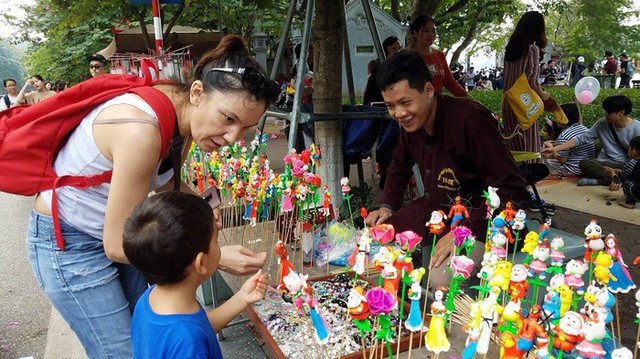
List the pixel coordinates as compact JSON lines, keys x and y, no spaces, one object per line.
{"x":441,"y":74}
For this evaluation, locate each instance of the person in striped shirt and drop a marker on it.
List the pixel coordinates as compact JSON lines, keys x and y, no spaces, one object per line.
{"x":629,"y":176}
{"x":567,"y":162}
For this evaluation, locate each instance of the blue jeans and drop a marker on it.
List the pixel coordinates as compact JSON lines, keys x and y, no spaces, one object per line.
{"x":93,"y":294}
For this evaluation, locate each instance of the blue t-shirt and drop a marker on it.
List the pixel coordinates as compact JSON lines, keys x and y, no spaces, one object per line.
{"x":171,"y":336}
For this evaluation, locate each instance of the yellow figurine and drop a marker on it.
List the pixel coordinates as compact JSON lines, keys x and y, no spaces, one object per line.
{"x":601,"y":272}
{"x":566,"y":297}
{"x":502,"y":275}
{"x":530,"y":243}
{"x":436,"y":338}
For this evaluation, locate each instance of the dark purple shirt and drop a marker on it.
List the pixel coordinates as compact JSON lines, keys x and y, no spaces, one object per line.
{"x":611,"y":66}
{"x":464,"y":155}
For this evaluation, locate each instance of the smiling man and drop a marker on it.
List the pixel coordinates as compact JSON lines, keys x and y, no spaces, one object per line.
{"x":458,"y":149}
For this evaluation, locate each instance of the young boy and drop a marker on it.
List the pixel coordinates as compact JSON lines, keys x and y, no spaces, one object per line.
{"x":629,"y":176}
{"x":566,"y":163}
{"x":171,"y":238}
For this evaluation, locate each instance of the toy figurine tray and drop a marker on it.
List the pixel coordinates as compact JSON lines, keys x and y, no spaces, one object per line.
{"x":287,"y":335}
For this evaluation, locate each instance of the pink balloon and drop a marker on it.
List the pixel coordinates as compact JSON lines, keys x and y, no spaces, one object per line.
{"x":585,"y":97}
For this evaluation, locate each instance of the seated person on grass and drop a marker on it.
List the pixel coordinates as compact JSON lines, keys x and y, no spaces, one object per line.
{"x":615,"y":131}
{"x":173,"y":240}
{"x":567,"y":163}
{"x":629,"y":176}
{"x":459,"y":151}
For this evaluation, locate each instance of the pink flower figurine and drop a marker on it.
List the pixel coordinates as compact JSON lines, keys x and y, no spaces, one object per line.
{"x":460,"y":234}
{"x":382,"y":233}
{"x":380,"y":301}
{"x":408,"y":240}
{"x":461,"y":266}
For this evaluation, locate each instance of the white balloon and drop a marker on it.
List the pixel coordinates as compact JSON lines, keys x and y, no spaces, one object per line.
{"x":587,"y":89}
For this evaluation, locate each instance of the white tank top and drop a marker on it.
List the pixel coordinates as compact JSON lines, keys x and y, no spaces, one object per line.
{"x":85,"y":209}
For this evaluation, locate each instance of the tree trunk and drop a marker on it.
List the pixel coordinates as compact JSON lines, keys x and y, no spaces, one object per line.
{"x":327,"y":90}
{"x":467,"y":40}
{"x":143,"y":27}
{"x":167,"y":33}
{"x":395,"y":9}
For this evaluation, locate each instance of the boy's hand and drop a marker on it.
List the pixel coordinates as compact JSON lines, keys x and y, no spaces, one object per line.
{"x":549,"y":152}
{"x":238,"y":260}
{"x":614,"y":186}
{"x":611,"y":171}
{"x":254,"y":289}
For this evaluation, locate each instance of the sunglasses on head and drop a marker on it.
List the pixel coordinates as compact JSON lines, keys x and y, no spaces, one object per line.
{"x":253,"y":80}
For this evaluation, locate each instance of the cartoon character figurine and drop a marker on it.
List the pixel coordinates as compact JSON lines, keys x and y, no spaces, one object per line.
{"x":383,"y":261}
{"x":498,"y":245}
{"x":436,"y":223}
{"x":593,"y":240}
{"x":359,"y":309}
{"x":457,"y":211}
{"x":509,"y":214}
{"x":344,"y":183}
{"x":283,"y":260}
{"x":361,"y":257}
{"x":622,"y":353}
{"x":326,"y":201}
{"x":414,"y":320}
{"x":489,"y":262}
{"x":568,"y":333}
{"x":530,"y":243}
{"x":538,"y":265}
{"x":543,"y":232}
{"x":323,"y":332}
{"x":436,"y":338}
{"x":601,"y":272}
{"x":624,"y":282}
{"x":484,"y":315}
{"x":532,"y":330}
{"x":295,"y":282}
{"x":287,"y":202}
{"x":519,"y":221}
{"x":591,"y":346}
{"x":574,"y":271}
{"x":492,"y":200}
{"x":557,"y":256}
{"x":566,"y":297}
{"x":518,"y":284}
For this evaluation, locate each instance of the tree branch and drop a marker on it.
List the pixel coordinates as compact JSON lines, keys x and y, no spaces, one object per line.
{"x":172,"y":23}
{"x":455,"y":7}
{"x":143,"y":27}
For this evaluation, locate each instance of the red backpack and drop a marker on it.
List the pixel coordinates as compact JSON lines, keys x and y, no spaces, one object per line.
{"x":32,"y":135}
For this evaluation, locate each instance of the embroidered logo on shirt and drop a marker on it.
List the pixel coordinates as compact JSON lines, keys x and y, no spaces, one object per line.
{"x":447,"y":180}
{"x":434,"y":70}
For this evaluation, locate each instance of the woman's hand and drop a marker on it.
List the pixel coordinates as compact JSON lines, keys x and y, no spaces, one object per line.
{"x":254,"y":289}
{"x":238,"y":260}
{"x":442,"y":251}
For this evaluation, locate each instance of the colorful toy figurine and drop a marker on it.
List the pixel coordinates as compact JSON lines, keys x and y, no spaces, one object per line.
{"x":360,"y":257}
{"x":283,"y":260}
{"x":509,"y":349}
{"x":591,"y":346}
{"x":557,"y":256}
{"x":551,"y":306}
{"x":519,"y":221}
{"x":538,"y":265}
{"x":622,"y":353}
{"x":498,"y":244}
{"x":344,"y":183}
{"x":509,"y":214}
{"x":414,"y":320}
{"x":601,"y":272}
{"x":502,"y":275}
{"x":492,"y":200}
{"x":566,"y":298}
{"x":530,"y":243}
{"x":485,"y":315}
{"x":323,"y":331}
{"x":568,"y":333}
{"x":287,"y":201}
{"x":574,"y":271}
{"x":532,"y":330}
{"x":624,"y":282}
{"x":326,"y":201}
{"x":295,"y":282}
{"x":489,"y":262}
{"x":593,"y":240}
{"x":359,"y":309}
{"x":518,"y":284}
{"x":458,"y":212}
{"x":436,"y":337}
{"x":511,"y":318}
{"x":436,"y":222}
{"x":544,"y":230}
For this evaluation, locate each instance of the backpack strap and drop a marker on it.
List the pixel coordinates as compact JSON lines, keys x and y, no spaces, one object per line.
{"x":7,"y":101}
{"x":615,"y":137}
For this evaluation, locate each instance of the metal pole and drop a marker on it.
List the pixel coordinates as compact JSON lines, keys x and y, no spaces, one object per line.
{"x":347,"y":60}
{"x":302,"y":65}
{"x":283,"y":39}
{"x":374,"y":30}
{"x":219,"y":17}
{"x":157,"y":29}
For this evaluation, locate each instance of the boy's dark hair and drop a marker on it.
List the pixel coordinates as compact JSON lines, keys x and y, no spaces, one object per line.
{"x":617,"y":103}
{"x":572,"y":111}
{"x":405,"y":65}
{"x":4,"y":82}
{"x":624,"y":55}
{"x":38,"y":77}
{"x":635,"y":143}
{"x":165,"y":233}
{"x":608,"y":53}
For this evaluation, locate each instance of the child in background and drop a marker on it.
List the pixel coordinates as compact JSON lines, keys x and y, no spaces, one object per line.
{"x":629,"y":176}
{"x":171,"y":238}
{"x":567,"y":162}
{"x":550,"y":132}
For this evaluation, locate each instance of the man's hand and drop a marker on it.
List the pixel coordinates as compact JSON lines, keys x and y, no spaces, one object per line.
{"x":443,"y":250}
{"x":378,"y":217}
{"x":254,"y":289}
{"x":238,"y":260}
